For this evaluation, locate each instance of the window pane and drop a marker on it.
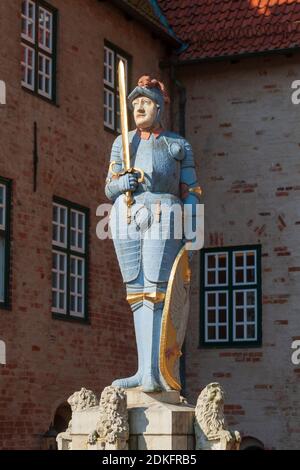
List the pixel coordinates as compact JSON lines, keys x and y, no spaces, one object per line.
{"x":239,"y":332}
{"x":77,"y":286}
{"x":59,"y":282}
{"x":211,"y":332}
{"x":251,"y":258}
{"x":108,"y":108}
{"x":250,"y":275}
{"x":211,"y":261}
{"x":77,"y":233}
{"x":222,"y":261}
{"x":216,"y":268}
{"x":239,"y":259}
{"x":250,"y":315}
{"x":222,"y":316}
{"x":211,"y":299}
{"x":239,"y":298}
{"x":245,"y":313}
{"x":244,"y":265}
{"x":28,"y":20}
{"x":222,"y":299}
{"x":73,"y":238}
{"x":211,"y":277}
{"x":239,"y":314}
{"x":59,"y":225}
{"x":251,"y":295}
{"x":250,"y":331}
{"x":45,"y":76}
{"x":222,"y":277}
{"x":211,"y":316}
{"x":27,"y":67}
{"x":222,"y":332}
{"x":45,"y":29}
{"x":109,"y":65}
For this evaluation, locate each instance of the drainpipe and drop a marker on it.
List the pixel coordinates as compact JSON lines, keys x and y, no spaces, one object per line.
{"x":176,"y":84}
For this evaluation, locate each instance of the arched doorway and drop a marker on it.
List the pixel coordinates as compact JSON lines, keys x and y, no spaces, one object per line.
{"x":251,"y":443}
{"x":62,"y":417}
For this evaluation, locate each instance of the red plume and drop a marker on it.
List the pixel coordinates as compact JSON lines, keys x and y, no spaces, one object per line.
{"x":147,"y":82}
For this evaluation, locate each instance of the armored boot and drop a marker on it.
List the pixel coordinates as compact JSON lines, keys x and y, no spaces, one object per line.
{"x":147,"y":324}
{"x":151,"y":314}
{"x":136,"y":379}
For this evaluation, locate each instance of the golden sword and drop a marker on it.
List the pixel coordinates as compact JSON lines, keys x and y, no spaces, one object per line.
{"x":125,"y":140}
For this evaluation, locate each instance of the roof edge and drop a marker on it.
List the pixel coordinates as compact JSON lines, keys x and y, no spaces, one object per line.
{"x":244,"y":55}
{"x":163,"y":32}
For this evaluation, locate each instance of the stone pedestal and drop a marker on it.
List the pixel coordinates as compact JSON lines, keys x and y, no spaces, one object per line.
{"x":159,"y":421}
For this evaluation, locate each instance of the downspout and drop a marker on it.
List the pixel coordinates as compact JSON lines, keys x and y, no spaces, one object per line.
{"x":176,"y":84}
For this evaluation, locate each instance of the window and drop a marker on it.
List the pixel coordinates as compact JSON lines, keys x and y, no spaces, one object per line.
{"x":112,"y":55}
{"x":69,"y":260}
{"x":5,"y":190}
{"x":231,"y":296}
{"x":38,"y":47}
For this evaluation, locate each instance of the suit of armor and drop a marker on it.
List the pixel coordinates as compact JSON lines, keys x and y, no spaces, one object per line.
{"x":146,"y":261}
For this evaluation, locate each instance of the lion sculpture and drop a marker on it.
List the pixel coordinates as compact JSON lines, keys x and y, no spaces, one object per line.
{"x":209,"y":425}
{"x":112,"y":430}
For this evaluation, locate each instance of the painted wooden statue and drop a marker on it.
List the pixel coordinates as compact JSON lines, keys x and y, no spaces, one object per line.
{"x":151,"y":171}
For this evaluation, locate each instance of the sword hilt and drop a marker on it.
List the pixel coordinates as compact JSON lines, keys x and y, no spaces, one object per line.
{"x":128,"y":194}
{"x":141,"y":179}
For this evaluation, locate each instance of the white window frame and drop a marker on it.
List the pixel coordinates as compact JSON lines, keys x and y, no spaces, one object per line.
{"x":63,"y":220}
{"x":78,"y":231}
{"x":45,"y":30}
{"x":216,"y":269}
{"x":28,"y":67}
{"x":42,"y":73}
{"x":244,"y":268}
{"x":75,"y":293}
{"x":111,"y":53}
{"x":41,"y":52}
{"x":108,"y":109}
{"x":252,"y":321}
{"x":217,"y":308}
{"x":244,"y":307}
{"x":57,"y":288}
{"x":111,"y":86}
{"x":60,"y":225}
{"x":28,"y":20}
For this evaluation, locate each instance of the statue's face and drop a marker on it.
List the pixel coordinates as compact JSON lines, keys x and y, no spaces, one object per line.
{"x":144,"y":112}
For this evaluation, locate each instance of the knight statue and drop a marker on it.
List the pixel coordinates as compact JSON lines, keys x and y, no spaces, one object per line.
{"x":151,"y":171}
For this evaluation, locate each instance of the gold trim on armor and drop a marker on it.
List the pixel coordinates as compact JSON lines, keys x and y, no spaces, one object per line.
{"x":154,"y":297}
{"x":197,"y":190}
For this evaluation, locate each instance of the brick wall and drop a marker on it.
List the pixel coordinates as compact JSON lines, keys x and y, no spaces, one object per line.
{"x":47,"y":359}
{"x":245,"y":133}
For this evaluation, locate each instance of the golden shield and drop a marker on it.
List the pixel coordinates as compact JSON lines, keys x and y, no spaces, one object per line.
{"x":174,"y":319}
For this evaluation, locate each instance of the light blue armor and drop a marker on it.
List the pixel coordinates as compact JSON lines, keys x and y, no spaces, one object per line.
{"x":145,"y":263}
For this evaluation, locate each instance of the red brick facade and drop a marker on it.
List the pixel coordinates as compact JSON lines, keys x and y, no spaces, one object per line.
{"x":48,"y":359}
{"x":243,"y":128}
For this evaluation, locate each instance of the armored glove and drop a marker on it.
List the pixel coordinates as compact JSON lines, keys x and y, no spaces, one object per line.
{"x":128,"y":182}
{"x":118,"y":186}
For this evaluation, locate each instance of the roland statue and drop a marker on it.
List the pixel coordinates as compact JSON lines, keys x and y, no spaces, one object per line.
{"x":156,"y":196}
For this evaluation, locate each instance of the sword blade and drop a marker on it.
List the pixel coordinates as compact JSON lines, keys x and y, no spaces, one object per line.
{"x":124,"y":116}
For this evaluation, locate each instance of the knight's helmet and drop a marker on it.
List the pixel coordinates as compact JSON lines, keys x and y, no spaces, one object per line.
{"x":153,"y":89}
